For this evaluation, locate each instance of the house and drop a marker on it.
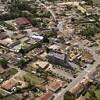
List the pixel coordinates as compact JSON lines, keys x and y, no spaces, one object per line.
{"x":6,"y":41}
{"x":80,"y":88}
{"x":16,"y":48}
{"x":22,"y":22}
{"x":74,"y":52}
{"x":35,"y":36}
{"x":3,"y":36}
{"x":24,"y":39}
{"x":37,"y":51}
{"x":8,"y":85}
{"x":14,"y":43}
{"x":96,"y":76}
{"x":55,"y":47}
{"x":58,"y":59}
{"x":11,"y":57}
{"x":47,"y":96}
{"x":42,"y":64}
{"x":77,"y":90}
{"x":32,"y":42}
{"x":87,"y":57}
{"x":55,"y":85}
{"x":4,"y":75}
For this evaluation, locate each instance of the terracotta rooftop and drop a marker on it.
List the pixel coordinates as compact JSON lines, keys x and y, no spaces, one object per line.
{"x":47,"y":96}
{"x":87,"y":54}
{"x":8,"y":84}
{"x":54,"y":85}
{"x":22,"y":21}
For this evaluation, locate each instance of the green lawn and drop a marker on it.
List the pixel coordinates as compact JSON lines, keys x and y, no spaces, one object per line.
{"x":34,"y":80}
{"x":12,"y":71}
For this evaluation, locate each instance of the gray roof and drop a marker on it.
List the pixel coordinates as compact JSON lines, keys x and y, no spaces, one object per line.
{"x":57,"y":55}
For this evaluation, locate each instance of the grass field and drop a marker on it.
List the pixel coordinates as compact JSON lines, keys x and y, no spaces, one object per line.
{"x":12,"y":71}
{"x":97,"y":92}
{"x":34,"y":80}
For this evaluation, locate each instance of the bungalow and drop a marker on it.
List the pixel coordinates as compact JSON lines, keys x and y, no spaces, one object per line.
{"x":22,"y":22}
{"x":16,"y":48}
{"x":3,"y":36}
{"x":4,"y":75}
{"x":47,"y":96}
{"x":14,"y":43}
{"x":55,"y":85}
{"x":37,"y":51}
{"x":6,"y":41}
{"x":80,"y":88}
{"x":96,"y":76}
{"x":9,"y":85}
{"x":54,"y":47}
{"x":11,"y":57}
{"x":42,"y":64}
{"x":87,"y":57}
{"x":35,"y":35}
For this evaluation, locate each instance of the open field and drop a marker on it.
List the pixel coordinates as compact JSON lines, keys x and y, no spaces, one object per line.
{"x":34,"y":80}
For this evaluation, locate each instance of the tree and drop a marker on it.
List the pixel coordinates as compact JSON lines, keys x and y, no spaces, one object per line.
{"x":45,"y":39}
{"x":92,"y":95}
{"x":68,"y":96}
{"x":22,"y":51}
{"x":3,"y":62}
{"x":21,"y":63}
{"x":88,"y":30}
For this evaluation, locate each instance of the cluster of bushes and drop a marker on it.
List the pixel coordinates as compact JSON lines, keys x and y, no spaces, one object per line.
{"x":90,"y":30}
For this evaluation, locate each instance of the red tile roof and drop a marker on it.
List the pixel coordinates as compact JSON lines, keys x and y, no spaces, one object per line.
{"x":8,"y":84}
{"x":47,"y":96}
{"x":55,"y":85}
{"x":22,"y":21}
